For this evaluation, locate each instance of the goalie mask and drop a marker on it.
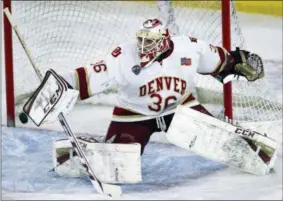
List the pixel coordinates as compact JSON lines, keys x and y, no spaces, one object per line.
{"x":153,"y":40}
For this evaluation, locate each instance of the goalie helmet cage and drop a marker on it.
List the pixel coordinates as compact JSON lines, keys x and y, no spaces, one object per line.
{"x":64,"y":35}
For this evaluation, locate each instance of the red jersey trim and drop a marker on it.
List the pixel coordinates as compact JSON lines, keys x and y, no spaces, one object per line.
{"x":83,"y":85}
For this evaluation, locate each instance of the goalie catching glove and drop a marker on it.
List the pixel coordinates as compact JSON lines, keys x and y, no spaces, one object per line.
{"x":244,"y":63}
{"x":52,"y":97}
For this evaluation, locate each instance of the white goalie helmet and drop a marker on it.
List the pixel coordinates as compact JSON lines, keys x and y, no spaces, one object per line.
{"x":153,"y":39}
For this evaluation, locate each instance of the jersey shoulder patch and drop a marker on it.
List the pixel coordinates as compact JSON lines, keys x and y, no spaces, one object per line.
{"x":116,"y":52}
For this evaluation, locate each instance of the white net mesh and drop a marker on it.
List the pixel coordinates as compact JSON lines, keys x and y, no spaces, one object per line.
{"x":65,"y":35}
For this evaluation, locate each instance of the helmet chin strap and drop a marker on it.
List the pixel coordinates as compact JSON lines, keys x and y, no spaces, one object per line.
{"x":158,"y":55}
{"x":145,"y":64}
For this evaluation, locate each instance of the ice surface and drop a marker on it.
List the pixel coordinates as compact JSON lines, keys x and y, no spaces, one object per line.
{"x":168,"y":172}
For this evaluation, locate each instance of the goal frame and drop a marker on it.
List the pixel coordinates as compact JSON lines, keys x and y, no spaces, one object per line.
{"x":9,"y":77}
{"x":9,"y":69}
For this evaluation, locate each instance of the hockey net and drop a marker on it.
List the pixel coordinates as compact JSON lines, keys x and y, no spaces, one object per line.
{"x":64,"y":35}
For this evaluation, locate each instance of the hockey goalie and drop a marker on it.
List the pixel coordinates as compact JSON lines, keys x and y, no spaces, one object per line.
{"x":155,"y":74}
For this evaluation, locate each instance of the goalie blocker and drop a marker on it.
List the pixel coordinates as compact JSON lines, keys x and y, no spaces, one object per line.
{"x":52,"y":97}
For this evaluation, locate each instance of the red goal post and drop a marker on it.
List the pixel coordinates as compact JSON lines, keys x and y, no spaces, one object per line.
{"x":226,"y":38}
{"x":9,"y":77}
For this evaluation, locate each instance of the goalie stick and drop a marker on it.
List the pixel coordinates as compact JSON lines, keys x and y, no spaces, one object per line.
{"x":102,"y":188}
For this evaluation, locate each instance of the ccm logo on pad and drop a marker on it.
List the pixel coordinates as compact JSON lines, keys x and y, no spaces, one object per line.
{"x":248,"y":132}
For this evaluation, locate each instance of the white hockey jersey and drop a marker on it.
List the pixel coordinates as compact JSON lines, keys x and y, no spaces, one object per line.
{"x":154,"y":90}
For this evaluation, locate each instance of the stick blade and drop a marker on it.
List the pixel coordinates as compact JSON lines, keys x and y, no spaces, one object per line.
{"x":110,"y":190}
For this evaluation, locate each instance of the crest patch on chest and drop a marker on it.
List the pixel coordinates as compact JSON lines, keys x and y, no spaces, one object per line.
{"x":186,"y":61}
{"x":136,"y":69}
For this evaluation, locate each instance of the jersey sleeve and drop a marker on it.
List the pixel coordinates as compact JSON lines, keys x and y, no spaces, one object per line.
{"x":94,"y":78}
{"x":213,"y":59}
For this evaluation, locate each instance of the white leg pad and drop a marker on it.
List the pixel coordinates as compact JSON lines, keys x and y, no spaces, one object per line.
{"x":112,"y":163}
{"x":217,"y":140}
